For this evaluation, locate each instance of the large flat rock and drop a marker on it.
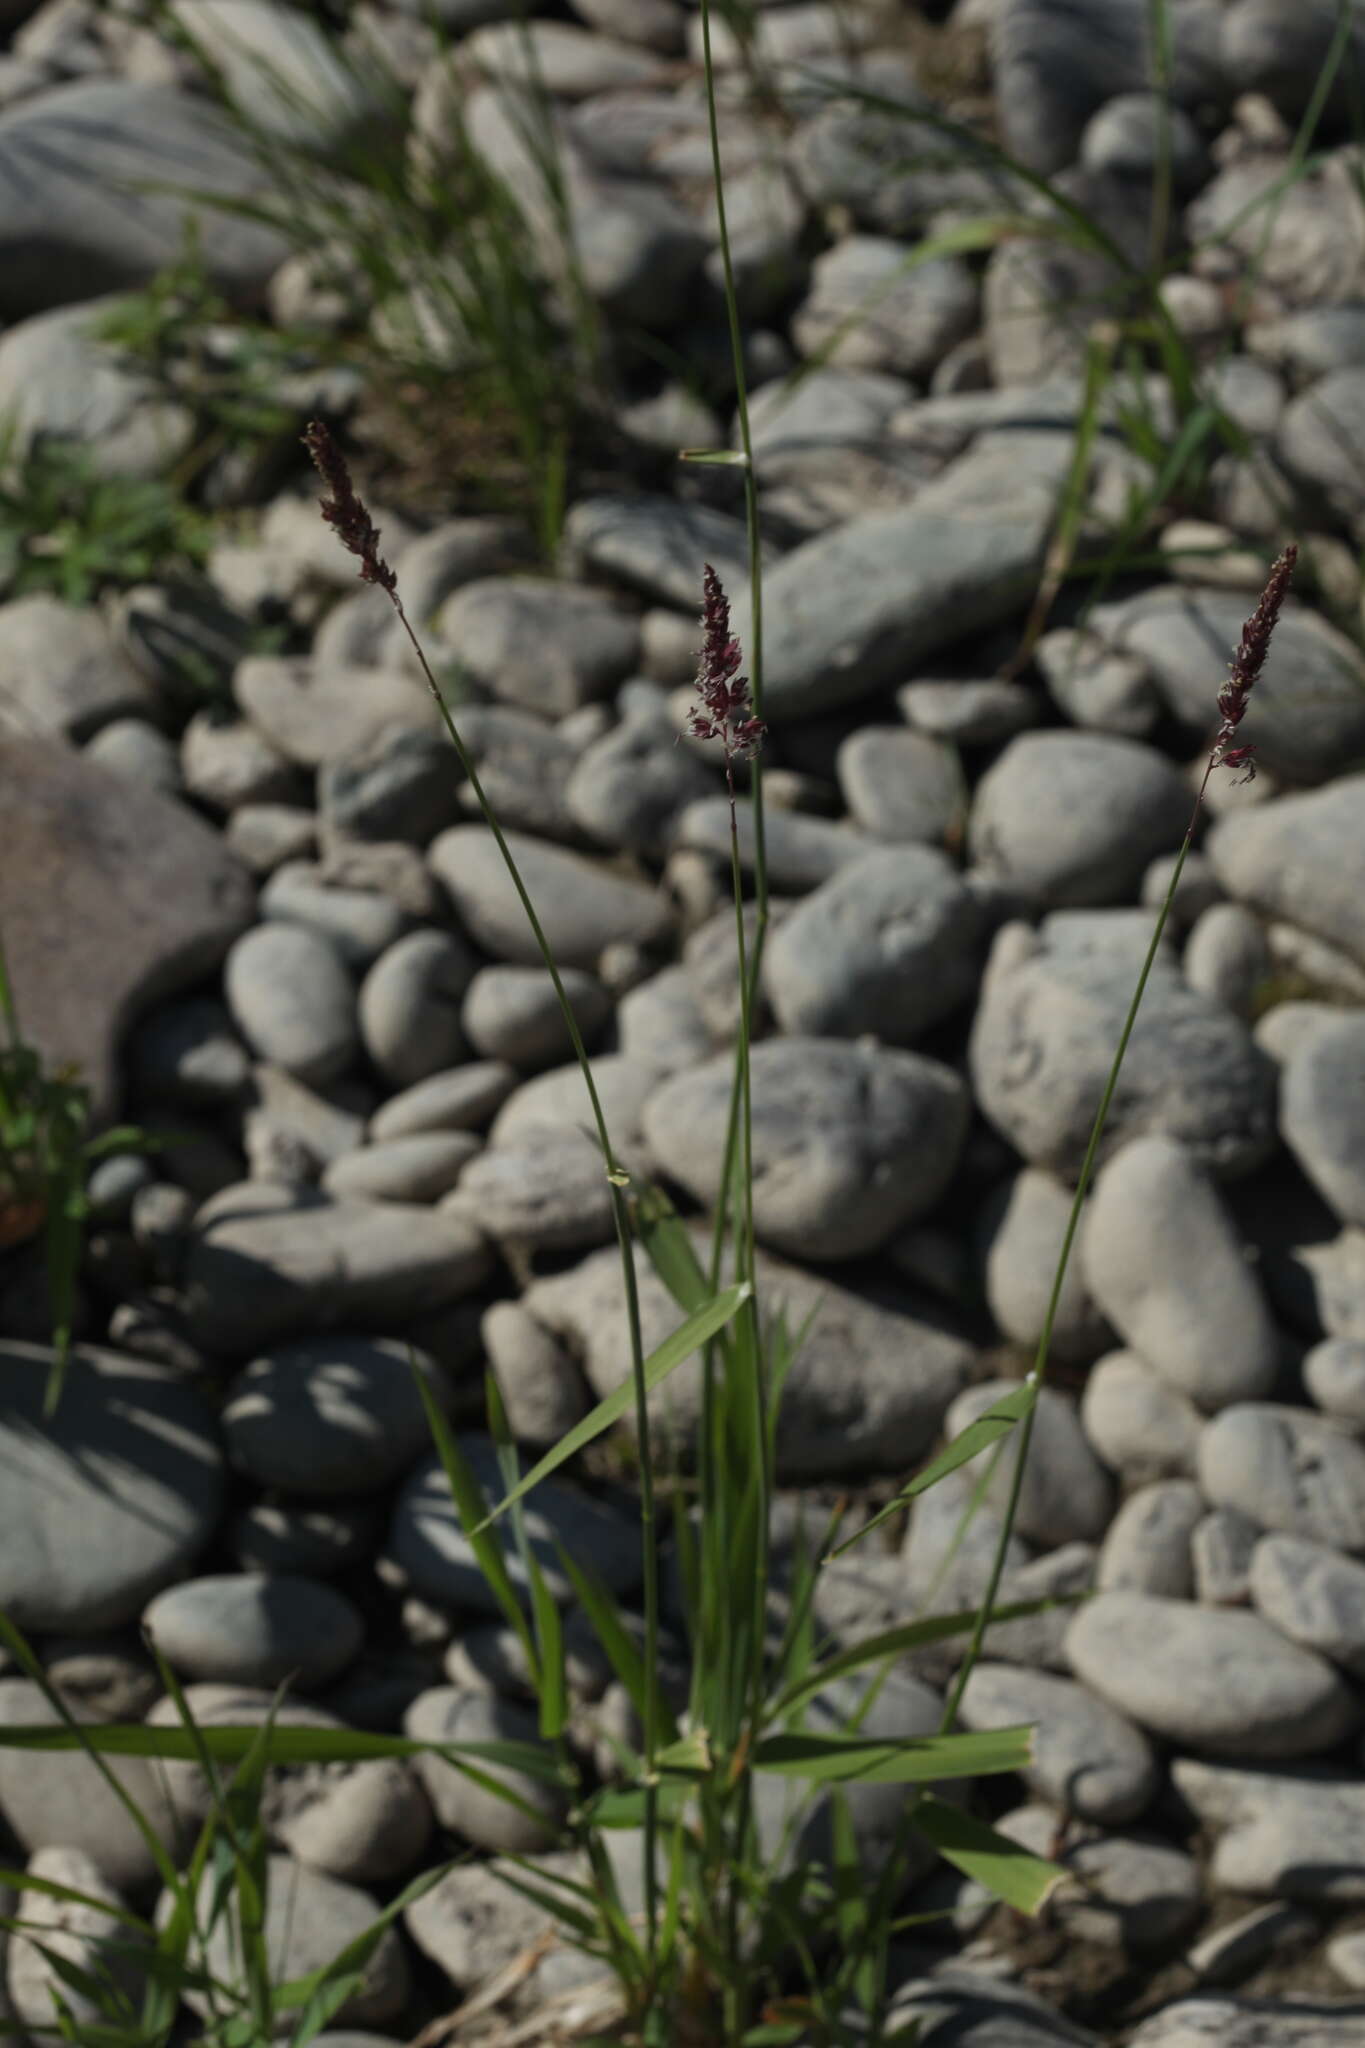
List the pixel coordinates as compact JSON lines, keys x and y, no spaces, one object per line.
{"x":109,"y":1501}
{"x":97,"y":178}
{"x":111,"y":898}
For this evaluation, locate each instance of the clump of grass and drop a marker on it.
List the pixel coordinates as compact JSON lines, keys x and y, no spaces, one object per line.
{"x":69,"y":530}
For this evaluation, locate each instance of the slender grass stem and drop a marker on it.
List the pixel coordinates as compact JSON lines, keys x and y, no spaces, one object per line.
{"x":739,"y":1135}
{"x":617,"y":1180}
{"x":1041,"y":1357}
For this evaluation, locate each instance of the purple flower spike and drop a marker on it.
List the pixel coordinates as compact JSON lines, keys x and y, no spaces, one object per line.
{"x":345,"y":512}
{"x":723,"y":711}
{"x":1246,"y":666}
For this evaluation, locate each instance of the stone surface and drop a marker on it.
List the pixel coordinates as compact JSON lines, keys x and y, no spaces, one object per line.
{"x":1138,"y":1424}
{"x":1321,"y":1106}
{"x":1147,"y":1547}
{"x":628,"y":788}
{"x":1042,"y":1046}
{"x":309,"y":1920}
{"x":293,"y":1000}
{"x":253,"y":1629}
{"x":513,"y":1014}
{"x":427,"y":1540}
{"x":901,"y":785}
{"x":802,"y":852}
{"x":1067,"y":1496}
{"x":408,"y":1010}
{"x":541,"y":1387}
{"x":61,"y":1800}
{"x":1020,"y":1233}
{"x":1074,"y":818}
{"x":1221,"y":1550}
{"x":112,"y":898}
{"x":1162,"y":1258}
{"x":1252,"y":2023}
{"x":868,"y":1389}
{"x":62,"y":674}
{"x":270,"y":1263}
{"x":1292,"y":859}
{"x":404,"y":786}
{"x":1131,"y":1892}
{"x":421,"y":1168}
{"x":1057,"y":64}
{"x":849,"y":1141}
{"x":583,"y":907}
{"x":868,"y":309}
{"x":1207,"y":1678}
{"x":97,"y":169}
{"x":1334,"y":1374}
{"x":110,"y":1500}
{"x":1292,"y":1834}
{"x":283,"y":72}
{"x":1227,"y":956}
{"x":333,"y":1416}
{"x":361,"y":923}
{"x":1290,"y":1469}
{"x":891,"y":944}
{"x":1307,"y":716}
{"x":473,"y":1811}
{"x":852,"y":611}
{"x":1088,"y":1759}
{"x":546,"y":647}
{"x":464,"y":1098}
{"x":656,"y":545}
{"x":80,"y":1932}
{"x":1314,"y":1596}
{"x":317,"y":713}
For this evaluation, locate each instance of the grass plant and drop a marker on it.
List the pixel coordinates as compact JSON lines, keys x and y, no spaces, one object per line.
{"x":719,"y":1942}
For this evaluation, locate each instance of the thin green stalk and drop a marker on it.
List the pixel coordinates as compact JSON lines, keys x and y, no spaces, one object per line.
{"x":617,"y":1180}
{"x":1040,"y":1362}
{"x":740,"y":1130}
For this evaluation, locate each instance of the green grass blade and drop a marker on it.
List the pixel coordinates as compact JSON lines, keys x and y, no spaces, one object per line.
{"x":689,"y":1337}
{"x":914,"y":1760}
{"x":472,"y":1509}
{"x":904,"y":1637}
{"x":1008,"y":1872}
{"x":669,"y":1248}
{"x":998,"y":1421}
{"x":622,"y":1651}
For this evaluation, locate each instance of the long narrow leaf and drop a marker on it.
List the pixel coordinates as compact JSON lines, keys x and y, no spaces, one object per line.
{"x":906,"y":1636}
{"x":914,"y":1760}
{"x":1008,"y":1872}
{"x":472,"y":1509}
{"x":689,"y":1337}
{"x":998,"y":1421}
{"x":282,"y":1745}
{"x":623,"y":1653}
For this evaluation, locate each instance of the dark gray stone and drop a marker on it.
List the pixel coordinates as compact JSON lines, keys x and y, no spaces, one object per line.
{"x":867,"y":1392}
{"x":428,"y":1543}
{"x":330,"y":1416}
{"x":1209,"y":1678}
{"x":849,"y":1141}
{"x":849,"y":613}
{"x":1042,"y":1045}
{"x":250,"y":1629}
{"x":1290,"y":1469}
{"x":890,"y":945}
{"x":1088,"y":1759}
{"x":97,"y":171}
{"x":1074,"y":818}
{"x":109,"y":1500}
{"x":583,"y":907}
